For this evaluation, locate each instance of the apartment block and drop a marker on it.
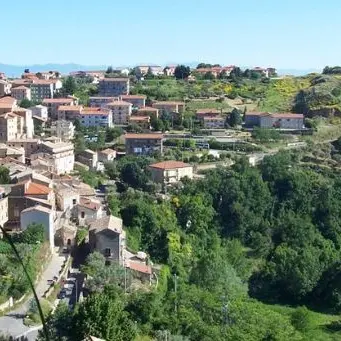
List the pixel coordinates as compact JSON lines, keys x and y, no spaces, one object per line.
{"x":121,"y":111}
{"x":53,"y":104}
{"x":170,"y":107}
{"x":143,"y":144}
{"x":96,"y":117}
{"x":69,"y":112}
{"x":11,"y":126}
{"x":100,"y":101}
{"x":213,"y":122}
{"x":112,"y":87}
{"x":5,"y":88}
{"x":21,"y":92}
{"x":41,"y":89}
{"x":138,"y":101}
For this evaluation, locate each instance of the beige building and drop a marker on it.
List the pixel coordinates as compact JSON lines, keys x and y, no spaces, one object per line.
{"x":141,"y":121}
{"x":3,"y":206}
{"x":5,"y":88}
{"x":100,"y":101}
{"x":88,"y":157}
{"x":13,"y":153}
{"x":21,"y":92}
{"x":28,"y":127}
{"x":11,"y":127}
{"x":138,"y":101}
{"x":61,"y":156}
{"x":40,"y":111}
{"x":121,"y":111}
{"x":216,"y":122}
{"x":113,"y":87}
{"x":7,"y":104}
{"x":64,"y":130}
{"x":88,"y":209}
{"x":148,"y":111}
{"x":106,"y":155}
{"x":30,"y":146}
{"x":53,"y":104}
{"x":69,"y":112}
{"x":170,"y":107}
{"x":169,"y":172}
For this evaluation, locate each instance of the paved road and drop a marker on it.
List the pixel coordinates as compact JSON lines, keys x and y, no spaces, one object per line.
{"x":12,"y":322}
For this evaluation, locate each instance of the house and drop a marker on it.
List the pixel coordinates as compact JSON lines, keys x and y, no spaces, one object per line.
{"x":140,"y":270}
{"x":138,"y":101}
{"x":148,"y":111}
{"x":141,"y":121}
{"x":11,"y":126}
{"x":112,"y":87}
{"x":39,"y":215}
{"x":21,"y":92}
{"x":5,"y":88}
{"x":169,"y":70}
{"x":170,"y":107}
{"x":88,"y":209}
{"x":19,"y":82}
{"x":60,"y":155}
{"x":69,"y":112}
{"x":142,"y":70}
{"x":100,"y":101}
{"x":106,"y":155}
{"x":40,"y":111}
{"x":30,"y":146}
{"x":7,"y":104}
{"x":106,"y":235}
{"x":213,"y":122}
{"x":276,"y":120}
{"x":14,"y":153}
{"x":88,"y":157}
{"x":96,"y":117}
{"x":168,"y":172}
{"x":28,"y":194}
{"x":3,"y":206}
{"x":67,"y":197}
{"x":121,"y":111}
{"x":200,"y":113}
{"x":28,"y":126}
{"x":64,"y":130}
{"x":216,"y":70}
{"x":53,"y":104}
{"x":3,"y":75}
{"x":265,"y":72}
{"x":143,"y":144}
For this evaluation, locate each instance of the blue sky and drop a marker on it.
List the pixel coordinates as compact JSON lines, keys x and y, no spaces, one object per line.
{"x":280,"y":33}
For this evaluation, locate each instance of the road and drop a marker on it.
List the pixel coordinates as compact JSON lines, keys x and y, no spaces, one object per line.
{"x":12,"y":322}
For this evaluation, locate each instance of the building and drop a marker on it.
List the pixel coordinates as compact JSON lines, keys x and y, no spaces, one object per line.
{"x":3,"y":206}
{"x":69,"y":112}
{"x":170,"y":107}
{"x":169,"y":70}
{"x":100,"y":101}
{"x":106,"y":155}
{"x":106,"y":236}
{"x":39,"y":215}
{"x":213,"y":122}
{"x":216,"y":71}
{"x":21,"y":92}
{"x":96,"y":117}
{"x":88,"y":209}
{"x":168,"y":172}
{"x":88,"y":157}
{"x":121,"y":111}
{"x":64,"y":130}
{"x":112,"y":87}
{"x":143,"y":144}
{"x":148,"y":111}
{"x":138,"y":101}
{"x":30,"y":146}
{"x":200,"y":113}
{"x":142,"y":70}
{"x":28,"y":126}
{"x":61,"y":155}
{"x":40,"y":111}
{"x":67,"y":198}
{"x":265,"y":72}
{"x":11,"y":126}
{"x":141,"y":121}
{"x":41,"y":89}
{"x":28,"y":194}
{"x":13,"y":153}
{"x":5,"y":88}
{"x":3,"y":76}
{"x":277,"y":120}
{"x":53,"y":104}
{"x":7,"y":104}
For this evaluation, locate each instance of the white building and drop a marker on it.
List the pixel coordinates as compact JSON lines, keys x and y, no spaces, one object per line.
{"x":3,"y":207}
{"x":96,"y":117}
{"x":40,"y":111}
{"x":28,"y":127}
{"x":39,"y":215}
{"x":65,"y":130}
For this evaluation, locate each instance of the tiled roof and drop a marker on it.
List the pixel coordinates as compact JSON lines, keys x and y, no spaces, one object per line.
{"x":133,"y":96}
{"x":107,"y":223}
{"x":170,"y":165}
{"x":37,"y":189}
{"x":95,"y":111}
{"x":139,"y":118}
{"x":21,"y":87}
{"x":140,"y":267}
{"x":57,"y":100}
{"x":90,"y":204}
{"x":70,"y":108}
{"x":168,"y":103}
{"x":108,"y":151}
{"x":119,"y":103}
{"x":287,"y":115}
{"x":7,"y":99}
{"x":144,"y":136}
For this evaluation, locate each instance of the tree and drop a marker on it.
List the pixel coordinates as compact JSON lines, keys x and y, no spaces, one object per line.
{"x":25,"y":103}
{"x":235,"y":118}
{"x":69,"y":86}
{"x":135,"y":128}
{"x":203,"y":66}
{"x":114,"y":204}
{"x":182,"y":72}
{"x":4,"y":175}
{"x":112,"y":134}
{"x":34,"y":234}
{"x":109,"y":70}
{"x":209,"y":76}
{"x":301,"y":318}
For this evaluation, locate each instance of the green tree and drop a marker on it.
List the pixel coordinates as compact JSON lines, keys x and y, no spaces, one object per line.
{"x":69,"y":86}
{"x":235,"y":118}
{"x":112,"y":134}
{"x":4,"y":175}
{"x":25,"y":103}
{"x":109,"y":70}
{"x":301,"y":319}
{"x":182,"y":72}
{"x":114,"y":204}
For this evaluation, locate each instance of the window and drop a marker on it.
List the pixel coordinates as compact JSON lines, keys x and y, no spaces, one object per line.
{"x":82,"y":214}
{"x":74,"y":201}
{"x":107,"y":252}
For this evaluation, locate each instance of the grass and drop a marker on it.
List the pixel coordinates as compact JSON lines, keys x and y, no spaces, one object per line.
{"x":33,"y":317}
{"x":207,"y":104}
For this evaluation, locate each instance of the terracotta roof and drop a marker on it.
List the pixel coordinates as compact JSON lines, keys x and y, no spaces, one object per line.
{"x":140,"y":267}
{"x":119,"y":103}
{"x":57,"y":100}
{"x":7,"y":99}
{"x":43,"y":82}
{"x":95,"y":111}
{"x":287,"y":115}
{"x":114,"y":80}
{"x":8,"y":115}
{"x":37,"y":189}
{"x":257,"y":114}
{"x":133,"y":97}
{"x":139,"y":118}
{"x":154,"y":136}
{"x":103,"y":97}
{"x":170,"y":165}
{"x":21,"y":87}
{"x":90,"y":204}
{"x":108,"y":151}
{"x":208,"y":112}
{"x":70,"y":108}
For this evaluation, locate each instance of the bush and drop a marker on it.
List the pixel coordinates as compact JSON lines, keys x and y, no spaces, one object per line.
{"x":301,"y":319}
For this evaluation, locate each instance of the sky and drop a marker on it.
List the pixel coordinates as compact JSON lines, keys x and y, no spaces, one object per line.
{"x":298,"y":34}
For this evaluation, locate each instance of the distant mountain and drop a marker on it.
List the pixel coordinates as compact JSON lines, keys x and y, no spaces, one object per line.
{"x":297,"y":72}
{"x":17,"y":70}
